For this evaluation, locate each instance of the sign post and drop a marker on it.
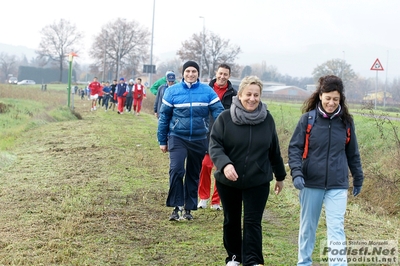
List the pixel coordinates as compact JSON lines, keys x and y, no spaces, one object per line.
{"x":377,"y":66}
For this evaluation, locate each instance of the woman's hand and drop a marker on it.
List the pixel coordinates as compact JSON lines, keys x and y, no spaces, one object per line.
{"x":230,"y":172}
{"x":278,"y":187}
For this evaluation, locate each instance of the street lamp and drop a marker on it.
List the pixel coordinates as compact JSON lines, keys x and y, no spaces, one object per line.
{"x":202,"y":46}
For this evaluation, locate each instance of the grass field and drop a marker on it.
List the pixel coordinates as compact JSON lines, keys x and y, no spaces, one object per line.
{"x":92,"y":191}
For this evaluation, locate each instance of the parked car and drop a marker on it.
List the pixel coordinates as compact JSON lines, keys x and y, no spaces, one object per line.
{"x":26,"y":82}
{"x":12,"y":80}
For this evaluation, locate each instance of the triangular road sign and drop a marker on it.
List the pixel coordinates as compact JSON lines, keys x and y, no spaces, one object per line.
{"x":377,"y":65}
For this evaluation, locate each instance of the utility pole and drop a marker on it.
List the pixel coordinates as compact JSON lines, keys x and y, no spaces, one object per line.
{"x":202,"y":47}
{"x":151,"y":49}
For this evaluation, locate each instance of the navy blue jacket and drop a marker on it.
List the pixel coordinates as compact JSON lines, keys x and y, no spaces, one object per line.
{"x":329,"y":158}
{"x":121,"y":89}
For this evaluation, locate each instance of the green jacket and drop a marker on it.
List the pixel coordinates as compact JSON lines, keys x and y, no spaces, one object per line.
{"x":157,"y":84}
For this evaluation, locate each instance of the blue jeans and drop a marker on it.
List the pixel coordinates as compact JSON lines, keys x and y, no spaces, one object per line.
{"x":180,"y":151}
{"x":311,"y":200}
{"x":106,"y":98}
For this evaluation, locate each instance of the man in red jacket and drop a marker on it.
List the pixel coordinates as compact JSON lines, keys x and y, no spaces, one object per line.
{"x":225,"y":91}
{"x":139,"y":93}
{"x":95,"y":89}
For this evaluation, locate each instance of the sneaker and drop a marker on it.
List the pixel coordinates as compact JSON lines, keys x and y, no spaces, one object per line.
{"x":188,"y":215}
{"x":216,"y":207}
{"x":174,"y":215}
{"x":91,"y":109}
{"x":94,"y":108}
{"x":202,"y":204}
{"x":233,"y":262}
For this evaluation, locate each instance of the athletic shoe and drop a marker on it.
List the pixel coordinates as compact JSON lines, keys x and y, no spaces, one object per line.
{"x":202,"y":204}
{"x":233,"y":262}
{"x":216,"y":207}
{"x":174,"y":215}
{"x":187,"y":215}
{"x":94,"y":108}
{"x":91,"y":109}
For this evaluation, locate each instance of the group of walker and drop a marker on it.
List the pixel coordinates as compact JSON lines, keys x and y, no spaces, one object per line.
{"x":126,"y":96}
{"x":213,"y":126}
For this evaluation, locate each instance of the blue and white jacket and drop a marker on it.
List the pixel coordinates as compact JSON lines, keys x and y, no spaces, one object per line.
{"x":185,"y":111}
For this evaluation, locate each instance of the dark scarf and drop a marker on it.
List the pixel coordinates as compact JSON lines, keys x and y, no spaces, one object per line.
{"x":241,"y":116}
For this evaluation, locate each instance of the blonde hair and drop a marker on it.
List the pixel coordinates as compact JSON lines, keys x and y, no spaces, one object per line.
{"x":246,"y":81}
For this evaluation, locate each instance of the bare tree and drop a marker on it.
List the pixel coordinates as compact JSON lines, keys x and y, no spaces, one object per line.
{"x":58,"y":40}
{"x":216,"y":51}
{"x":121,"y":45}
{"x":337,"y":67}
{"x":8,"y":65}
{"x":172,"y":64}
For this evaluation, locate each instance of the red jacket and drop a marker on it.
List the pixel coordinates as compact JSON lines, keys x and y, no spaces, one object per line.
{"x":138,"y":91}
{"x":95,"y":88}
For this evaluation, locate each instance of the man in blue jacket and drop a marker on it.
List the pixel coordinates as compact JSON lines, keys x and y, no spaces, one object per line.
{"x":182,"y":131}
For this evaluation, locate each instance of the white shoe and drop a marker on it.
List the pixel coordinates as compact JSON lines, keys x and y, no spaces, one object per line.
{"x":202,"y":204}
{"x":94,"y":108}
{"x":216,"y":207}
{"x":91,"y":109}
{"x":233,"y":262}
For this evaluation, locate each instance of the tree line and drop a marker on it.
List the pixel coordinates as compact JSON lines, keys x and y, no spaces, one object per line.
{"x":121,"y":48}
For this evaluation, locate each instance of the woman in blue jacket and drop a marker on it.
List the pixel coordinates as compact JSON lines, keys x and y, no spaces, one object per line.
{"x":321,"y":174}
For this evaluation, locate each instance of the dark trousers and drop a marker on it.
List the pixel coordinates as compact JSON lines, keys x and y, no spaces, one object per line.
{"x":184,"y":193}
{"x":105,"y":101}
{"x":129,"y":101}
{"x":247,"y":248}
{"x":100,"y":99}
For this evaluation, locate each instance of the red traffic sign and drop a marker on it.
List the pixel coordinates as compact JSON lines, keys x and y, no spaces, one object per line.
{"x":377,"y":65}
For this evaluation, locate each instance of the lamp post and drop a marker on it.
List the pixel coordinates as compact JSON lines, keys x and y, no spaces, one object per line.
{"x":202,"y":47}
{"x":70,"y":59}
{"x":151,"y":48}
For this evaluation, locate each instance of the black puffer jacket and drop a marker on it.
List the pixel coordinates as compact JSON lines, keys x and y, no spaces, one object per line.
{"x":329,"y":158}
{"x":252,"y":149}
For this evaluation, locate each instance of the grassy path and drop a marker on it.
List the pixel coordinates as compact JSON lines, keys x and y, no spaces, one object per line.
{"x":92,"y":192}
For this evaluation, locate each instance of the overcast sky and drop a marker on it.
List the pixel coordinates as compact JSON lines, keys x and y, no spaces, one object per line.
{"x":295,"y":36}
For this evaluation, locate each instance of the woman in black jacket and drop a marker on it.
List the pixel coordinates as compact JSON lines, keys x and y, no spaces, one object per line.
{"x":321,"y":173}
{"x":244,"y":147}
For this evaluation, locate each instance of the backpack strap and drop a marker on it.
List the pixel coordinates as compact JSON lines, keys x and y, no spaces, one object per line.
{"x":311,"y":120}
{"x":348,"y":132}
